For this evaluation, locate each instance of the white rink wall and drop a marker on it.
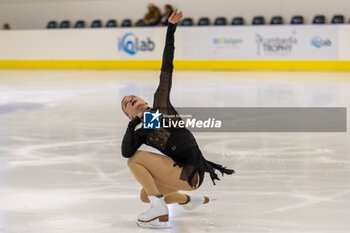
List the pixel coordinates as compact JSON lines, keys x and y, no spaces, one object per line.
{"x":290,"y":43}
{"x":34,"y":14}
{"x":344,"y":36}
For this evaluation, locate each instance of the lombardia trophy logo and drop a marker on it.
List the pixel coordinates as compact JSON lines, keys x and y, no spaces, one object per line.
{"x":280,"y":46}
{"x":151,"y":120}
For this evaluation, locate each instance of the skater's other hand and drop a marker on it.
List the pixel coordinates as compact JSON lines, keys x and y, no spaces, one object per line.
{"x":175,"y":17}
{"x":140,"y":115}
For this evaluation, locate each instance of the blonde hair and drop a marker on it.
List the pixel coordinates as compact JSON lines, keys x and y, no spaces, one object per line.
{"x":123,"y":107}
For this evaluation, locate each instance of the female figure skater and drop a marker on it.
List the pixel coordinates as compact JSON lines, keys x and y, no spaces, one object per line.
{"x":184,"y":166}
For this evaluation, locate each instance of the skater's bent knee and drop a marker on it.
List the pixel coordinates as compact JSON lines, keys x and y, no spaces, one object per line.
{"x":135,"y":157}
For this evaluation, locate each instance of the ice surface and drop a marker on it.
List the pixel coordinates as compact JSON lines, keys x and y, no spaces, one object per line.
{"x":61,"y":170}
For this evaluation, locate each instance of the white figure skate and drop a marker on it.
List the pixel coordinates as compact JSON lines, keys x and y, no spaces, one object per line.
{"x":155,"y":224}
{"x":156,"y":216}
{"x":195,"y":201}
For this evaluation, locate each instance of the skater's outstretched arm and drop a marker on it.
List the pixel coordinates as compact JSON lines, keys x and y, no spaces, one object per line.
{"x":132,"y":140}
{"x":161,"y":96}
{"x":168,"y":53}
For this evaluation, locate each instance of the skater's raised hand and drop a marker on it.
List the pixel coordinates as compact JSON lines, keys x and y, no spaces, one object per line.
{"x":175,"y":17}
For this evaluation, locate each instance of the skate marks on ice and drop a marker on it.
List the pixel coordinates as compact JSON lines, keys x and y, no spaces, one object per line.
{"x":61,"y":168}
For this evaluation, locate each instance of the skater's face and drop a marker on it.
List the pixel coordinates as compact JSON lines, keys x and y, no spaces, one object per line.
{"x":132,"y":105}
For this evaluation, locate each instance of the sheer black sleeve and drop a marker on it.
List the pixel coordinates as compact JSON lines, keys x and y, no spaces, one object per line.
{"x":168,"y":53}
{"x":132,"y":140}
{"x":162,"y":94}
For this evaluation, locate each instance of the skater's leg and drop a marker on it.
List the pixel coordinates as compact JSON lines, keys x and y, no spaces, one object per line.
{"x":143,"y":176}
{"x":176,"y":197}
{"x":170,"y":196}
{"x":158,"y":177}
{"x":147,"y":165}
{"x":144,"y":196}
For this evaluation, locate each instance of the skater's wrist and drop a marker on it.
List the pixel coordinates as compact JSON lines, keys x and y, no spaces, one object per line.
{"x":171,"y":28}
{"x":135,"y":121}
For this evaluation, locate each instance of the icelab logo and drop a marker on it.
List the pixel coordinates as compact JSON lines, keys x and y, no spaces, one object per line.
{"x":318,"y":42}
{"x":131,"y":44}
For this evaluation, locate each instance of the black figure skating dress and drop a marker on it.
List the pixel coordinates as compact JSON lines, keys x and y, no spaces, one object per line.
{"x":177,"y":143}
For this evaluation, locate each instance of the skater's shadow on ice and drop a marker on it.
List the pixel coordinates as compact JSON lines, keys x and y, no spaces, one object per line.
{"x":178,"y":215}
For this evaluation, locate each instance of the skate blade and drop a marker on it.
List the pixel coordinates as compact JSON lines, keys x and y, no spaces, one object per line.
{"x":155,"y":224}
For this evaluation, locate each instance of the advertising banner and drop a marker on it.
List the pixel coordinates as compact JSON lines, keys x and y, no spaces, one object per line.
{"x":286,"y":42}
{"x":260,"y":43}
{"x":83,"y":44}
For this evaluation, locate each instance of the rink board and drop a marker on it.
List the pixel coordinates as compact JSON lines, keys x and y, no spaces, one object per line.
{"x":181,"y":65}
{"x":307,"y":47}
